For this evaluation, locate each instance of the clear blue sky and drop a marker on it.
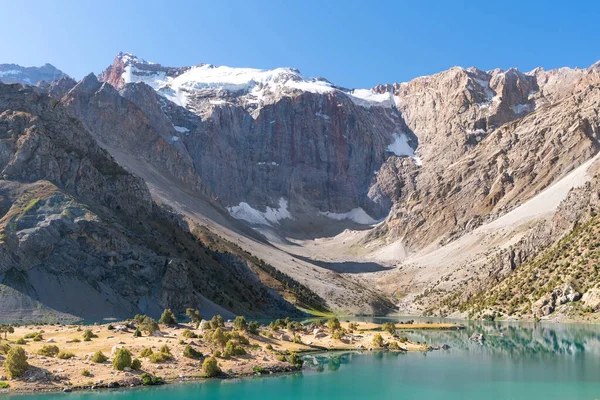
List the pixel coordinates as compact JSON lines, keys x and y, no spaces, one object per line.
{"x":351,"y":43}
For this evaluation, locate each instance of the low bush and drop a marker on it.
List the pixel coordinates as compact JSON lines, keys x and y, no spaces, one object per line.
{"x":65,"y":355}
{"x":190,"y":352}
{"x":160,"y":357}
{"x":210,"y":367}
{"x":147,"y":352}
{"x":136,"y":364}
{"x":99,"y":357}
{"x":122,"y":359}
{"x":49,"y":351}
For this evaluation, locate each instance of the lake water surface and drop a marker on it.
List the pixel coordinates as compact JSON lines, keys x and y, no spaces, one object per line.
{"x":516,"y":361}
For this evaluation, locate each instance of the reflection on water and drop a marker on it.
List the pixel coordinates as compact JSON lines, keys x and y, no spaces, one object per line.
{"x":513,"y":340}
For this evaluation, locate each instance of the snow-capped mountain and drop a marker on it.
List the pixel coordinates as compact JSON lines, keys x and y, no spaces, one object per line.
{"x":207,"y":85}
{"x":13,"y":73}
{"x":284,"y":140}
{"x":454,"y":178}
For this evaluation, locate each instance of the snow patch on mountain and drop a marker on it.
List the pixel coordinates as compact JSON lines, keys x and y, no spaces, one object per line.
{"x":400,"y":146}
{"x":271,"y":216}
{"x":367,"y":98}
{"x":357,"y":215}
{"x":181,"y":129}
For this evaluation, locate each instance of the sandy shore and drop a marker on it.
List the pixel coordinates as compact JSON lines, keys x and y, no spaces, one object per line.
{"x":266,"y":352}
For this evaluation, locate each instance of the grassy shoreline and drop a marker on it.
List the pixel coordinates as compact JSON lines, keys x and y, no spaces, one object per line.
{"x":61,"y":357}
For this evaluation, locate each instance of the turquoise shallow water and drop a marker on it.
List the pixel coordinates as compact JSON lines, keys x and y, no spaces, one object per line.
{"x":517,"y":361}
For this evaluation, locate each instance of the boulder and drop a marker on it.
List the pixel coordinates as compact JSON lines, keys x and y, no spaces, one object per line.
{"x":591,"y":299}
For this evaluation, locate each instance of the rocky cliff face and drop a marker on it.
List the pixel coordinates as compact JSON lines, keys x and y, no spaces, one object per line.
{"x":488,"y":141}
{"x":273,"y":145}
{"x":80,"y":236}
{"x":433,"y":159}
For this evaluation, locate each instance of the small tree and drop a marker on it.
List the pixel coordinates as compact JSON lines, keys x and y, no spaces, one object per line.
{"x":219,"y":337}
{"x":136,"y":364}
{"x":377,"y":340}
{"x":165,"y":349}
{"x":216,"y":322}
{"x":333,"y":324}
{"x":6,"y":329}
{"x":190,"y":352}
{"x":194,"y":316}
{"x":16,"y":362}
{"x":148,"y":325}
{"x":239,"y":323}
{"x":253,"y":328}
{"x":389,"y":327}
{"x":295,"y":360}
{"x":122,"y":359}
{"x":167,"y":317}
{"x":210,"y":367}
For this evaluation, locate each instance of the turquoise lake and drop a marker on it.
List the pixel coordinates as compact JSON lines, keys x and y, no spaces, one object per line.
{"x":516,"y":361}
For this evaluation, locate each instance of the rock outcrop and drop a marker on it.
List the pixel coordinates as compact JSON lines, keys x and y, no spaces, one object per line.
{"x":81,"y":237}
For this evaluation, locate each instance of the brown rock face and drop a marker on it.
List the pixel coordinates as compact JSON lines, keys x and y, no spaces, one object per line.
{"x":491,"y":157}
{"x":80,"y":236}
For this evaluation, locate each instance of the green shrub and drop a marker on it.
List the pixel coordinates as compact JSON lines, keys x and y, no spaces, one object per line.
{"x":21,"y":341}
{"x":188,"y":334}
{"x":377,"y":340}
{"x":253,"y":328}
{"x":148,"y":325}
{"x":76,"y":340}
{"x":333,"y":324}
{"x":136,"y":364}
{"x":16,"y":362}
{"x":65,"y":355}
{"x":216,"y":322}
{"x":31,"y":335}
{"x":258,"y":369}
{"x":86,"y":372}
{"x":147,"y":352}
{"x":218,"y":337}
{"x":165,"y":349}
{"x":269,"y":347}
{"x":88,"y":335}
{"x":239,"y":323}
{"x":122,"y":359}
{"x":167,"y":317}
{"x":49,"y":351}
{"x":194,"y":316}
{"x":295,"y":360}
{"x":190,"y":352}
{"x":110,"y":327}
{"x":218,"y":353}
{"x":38,"y":338}
{"x":389,"y":327}
{"x":233,"y":349}
{"x":4,"y":385}
{"x":210,"y":367}
{"x":137,"y":333}
{"x":159,"y":357}
{"x":4,"y":348}
{"x":149,"y":379}
{"x":99,"y":357}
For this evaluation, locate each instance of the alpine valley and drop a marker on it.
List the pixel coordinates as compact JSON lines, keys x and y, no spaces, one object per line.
{"x":265,"y":193}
